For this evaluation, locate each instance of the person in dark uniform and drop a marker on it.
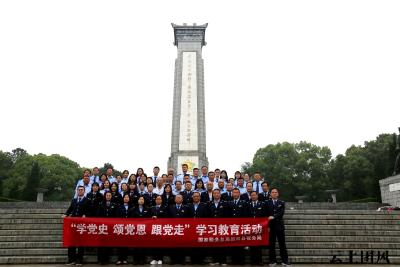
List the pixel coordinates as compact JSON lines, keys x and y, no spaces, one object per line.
{"x":133,"y":193}
{"x":239,"y":209}
{"x":187,"y":193}
{"x":140,"y":211}
{"x":275,"y":211}
{"x":149,"y":196}
{"x":264,"y":195}
{"x":197,"y":209}
{"x":227,"y":196}
{"x":178,"y":210}
{"x":107,"y":209}
{"x":77,"y":208}
{"x":218,"y":208}
{"x":116,"y":196}
{"x":158,"y":211}
{"x":123,"y":211}
{"x":168,"y":197}
{"x":94,"y":198}
{"x":246,"y":196}
{"x":207,"y":196}
{"x":257,"y":210}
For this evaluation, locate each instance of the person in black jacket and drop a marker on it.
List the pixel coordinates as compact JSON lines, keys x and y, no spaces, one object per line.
{"x":149,"y":196}
{"x":123,"y":211}
{"x":107,"y":209}
{"x":239,"y":209}
{"x":94,"y":198}
{"x":168,"y":197}
{"x":264,"y":195}
{"x":116,"y":196}
{"x":158,"y":211}
{"x":218,"y":208}
{"x":275,"y":211}
{"x":197,"y":209}
{"x":140,"y":211}
{"x":257,"y":209}
{"x":77,"y":208}
{"x":178,"y":210}
{"x":187,"y":193}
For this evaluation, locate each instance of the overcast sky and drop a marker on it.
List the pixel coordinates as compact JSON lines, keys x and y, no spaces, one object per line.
{"x":93,"y":80}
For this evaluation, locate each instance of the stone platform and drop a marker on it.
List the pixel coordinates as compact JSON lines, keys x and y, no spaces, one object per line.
{"x":31,"y":233}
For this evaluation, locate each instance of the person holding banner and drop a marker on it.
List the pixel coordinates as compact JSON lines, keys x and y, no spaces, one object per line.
{"x":123,"y":211}
{"x":239,"y":209}
{"x":257,"y":209}
{"x":77,"y":208}
{"x":197,"y":209}
{"x":158,"y":211}
{"x":140,"y":211}
{"x":218,"y":208}
{"x":178,"y":210}
{"x":107,"y":209}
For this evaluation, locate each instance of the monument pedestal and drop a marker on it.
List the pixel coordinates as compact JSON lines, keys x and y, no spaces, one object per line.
{"x":390,"y":190}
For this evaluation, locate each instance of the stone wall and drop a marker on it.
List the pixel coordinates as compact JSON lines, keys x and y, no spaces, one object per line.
{"x":390,"y":190}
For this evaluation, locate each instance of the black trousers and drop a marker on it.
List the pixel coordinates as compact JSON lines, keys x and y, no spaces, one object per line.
{"x":122,"y":254}
{"x":103,"y":254}
{"x":238,"y":254}
{"x":277,"y":232}
{"x":75,"y":257}
{"x":256,"y":255}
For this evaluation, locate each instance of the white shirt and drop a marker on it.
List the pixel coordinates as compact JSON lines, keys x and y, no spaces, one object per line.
{"x":259,"y":186}
{"x":88,"y":188}
{"x":158,"y":191}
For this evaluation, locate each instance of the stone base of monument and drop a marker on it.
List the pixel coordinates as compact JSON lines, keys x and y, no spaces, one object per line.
{"x":315,"y":233}
{"x":390,"y":190}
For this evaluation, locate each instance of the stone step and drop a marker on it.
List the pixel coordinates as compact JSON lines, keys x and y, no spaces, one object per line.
{"x":34,"y":252}
{"x":307,"y":232}
{"x":307,"y":238}
{"x":93,"y":259}
{"x":29,"y":232}
{"x":287,"y":221}
{"x":32,"y":211}
{"x":341,"y":222}
{"x":364,"y":227}
{"x":342,"y":245}
{"x":26,"y":226}
{"x":287,"y":216}
{"x":30,"y":244}
{"x":291,"y":251}
{"x":297,"y":232}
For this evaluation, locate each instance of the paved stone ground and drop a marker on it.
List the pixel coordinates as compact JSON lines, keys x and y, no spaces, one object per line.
{"x":297,"y":265}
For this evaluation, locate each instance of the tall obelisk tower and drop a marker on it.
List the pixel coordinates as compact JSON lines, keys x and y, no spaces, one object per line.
{"x":188,"y":142}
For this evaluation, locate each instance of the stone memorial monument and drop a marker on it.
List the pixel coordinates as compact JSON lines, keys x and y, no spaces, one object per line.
{"x":188,"y":142}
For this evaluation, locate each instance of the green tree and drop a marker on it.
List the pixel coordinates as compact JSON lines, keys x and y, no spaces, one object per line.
{"x":32,"y":183}
{"x":296,"y":169}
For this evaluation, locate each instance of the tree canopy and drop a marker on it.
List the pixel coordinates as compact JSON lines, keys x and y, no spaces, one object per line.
{"x":307,"y":169}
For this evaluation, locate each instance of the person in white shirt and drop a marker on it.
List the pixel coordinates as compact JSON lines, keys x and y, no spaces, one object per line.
{"x":257,"y":183}
{"x":204,"y":174}
{"x":159,"y":188}
{"x":85,"y":182}
{"x":156,"y":171}
{"x":95,"y":175}
{"x":182,"y":175}
{"x":240,"y":185}
{"x":109,"y":174}
{"x":177,"y":188}
{"x":125,"y":176}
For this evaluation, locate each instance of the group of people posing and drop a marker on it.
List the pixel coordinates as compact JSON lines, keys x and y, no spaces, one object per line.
{"x":210,"y":194}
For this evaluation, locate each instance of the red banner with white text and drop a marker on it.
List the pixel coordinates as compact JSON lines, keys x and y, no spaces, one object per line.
{"x":171,"y":232}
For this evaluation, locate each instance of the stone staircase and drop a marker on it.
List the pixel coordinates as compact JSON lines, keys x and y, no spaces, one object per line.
{"x":32,"y":233}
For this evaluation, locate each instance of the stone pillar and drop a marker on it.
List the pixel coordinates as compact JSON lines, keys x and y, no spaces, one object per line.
{"x":188,"y":140}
